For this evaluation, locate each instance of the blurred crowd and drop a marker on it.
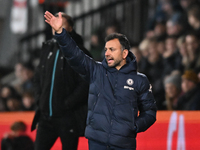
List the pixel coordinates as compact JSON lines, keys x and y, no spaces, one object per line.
{"x":18,"y":94}
{"x":169,"y":55}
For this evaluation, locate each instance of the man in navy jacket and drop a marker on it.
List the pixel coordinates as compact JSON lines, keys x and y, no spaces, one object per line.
{"x":117,"y":91}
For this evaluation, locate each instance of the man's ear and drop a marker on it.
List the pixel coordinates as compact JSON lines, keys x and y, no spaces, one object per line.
{"x":125,"y":53}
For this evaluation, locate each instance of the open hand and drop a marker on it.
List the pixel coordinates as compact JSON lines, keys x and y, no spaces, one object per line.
{"x":54,"y":22}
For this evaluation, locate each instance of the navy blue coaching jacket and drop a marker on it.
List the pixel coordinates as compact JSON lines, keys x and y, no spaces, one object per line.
{"x":115,"y":97}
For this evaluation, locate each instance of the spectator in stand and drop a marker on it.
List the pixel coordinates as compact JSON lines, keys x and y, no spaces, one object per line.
{"x":28,"y":101}
{"x":17,"y":83}
{"x":13,"y":103}
{"x":27,"y":77}
{"x":181,"y":45}
{"x":164,"y":11}
{"x":24,"y":72}
{"x":152,"y":67}
{"x":190,"y":100}
{"x":17,"y":139}
{"x":160,"y":30}
{"x":6,"y":92}
{"x":139,"y":58}
{"x":187,"y":4}
{"x":143,"y":47}
{"x":177,"y":25}
{"x":194,"y":19}
{"x":161,"y":45}
{"x":172,"y":84}
{"x":193,"y":50}
{"x":171,"y":57}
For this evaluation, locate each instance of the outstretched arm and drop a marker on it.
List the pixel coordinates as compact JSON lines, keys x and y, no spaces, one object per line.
{"x":80,"y":62}
{"x":54,"y":22}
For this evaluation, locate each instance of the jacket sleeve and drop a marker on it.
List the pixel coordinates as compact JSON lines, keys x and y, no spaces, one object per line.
{"x":80,"y":94}
{"x":81,"y":63}
{"x":147,"y":107}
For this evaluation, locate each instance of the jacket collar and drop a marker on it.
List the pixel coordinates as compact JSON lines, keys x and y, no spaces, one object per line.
{"x":131,"y":65}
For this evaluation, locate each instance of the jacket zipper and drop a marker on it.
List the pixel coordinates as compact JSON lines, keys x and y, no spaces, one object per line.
{"x":114,"y":94}
{"x":52,"y":83}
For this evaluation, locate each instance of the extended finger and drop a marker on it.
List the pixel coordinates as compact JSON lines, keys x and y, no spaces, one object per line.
{"x":47,"y":17}
{"x":47,"y":21}
{"x":48,"y":14}
{"x":60,"y":15}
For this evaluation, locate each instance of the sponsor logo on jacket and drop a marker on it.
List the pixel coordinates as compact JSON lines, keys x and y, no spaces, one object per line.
{"x":130,"y":83}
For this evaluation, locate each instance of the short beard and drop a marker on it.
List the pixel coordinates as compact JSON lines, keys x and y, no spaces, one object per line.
{"x":115,"y":64}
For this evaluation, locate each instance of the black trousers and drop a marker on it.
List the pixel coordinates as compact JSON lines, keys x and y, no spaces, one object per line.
{"x":49,"y":129}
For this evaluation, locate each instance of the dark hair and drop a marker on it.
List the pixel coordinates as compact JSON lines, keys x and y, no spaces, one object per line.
{"x":192,"y":33}
{"x":28,"y":94}
{"x":171,"y":37}
{"x":68,"y":18}
{"x":194,"y":11}
{"x":13,"y":91}
{"x":18,"y":126}
{"x":122,"y":39}
{"x":28,"y":65}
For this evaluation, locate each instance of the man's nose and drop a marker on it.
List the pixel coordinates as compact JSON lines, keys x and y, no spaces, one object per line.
{"x":107,"y":53}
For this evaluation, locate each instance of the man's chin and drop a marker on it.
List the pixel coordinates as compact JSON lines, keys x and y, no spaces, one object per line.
{"x":111,"y":65}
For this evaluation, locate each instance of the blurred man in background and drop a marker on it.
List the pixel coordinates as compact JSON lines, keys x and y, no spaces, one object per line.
{"x":61,"y":96}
